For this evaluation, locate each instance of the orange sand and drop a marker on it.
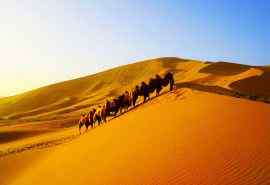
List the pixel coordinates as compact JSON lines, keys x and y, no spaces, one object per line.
{"x":186,"y":137}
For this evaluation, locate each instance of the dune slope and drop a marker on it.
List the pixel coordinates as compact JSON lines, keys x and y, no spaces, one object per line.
{"x":185,"y":137}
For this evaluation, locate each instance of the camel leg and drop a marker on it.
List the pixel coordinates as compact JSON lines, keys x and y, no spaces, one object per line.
{"x":80,"y":125}
{"x":171,"y":84}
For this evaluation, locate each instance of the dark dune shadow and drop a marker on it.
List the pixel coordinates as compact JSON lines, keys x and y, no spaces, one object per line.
{"x":9,"y":136}
{"x":224,"y":69}
{"x":223,"y":91}
{"x":255,"y":85}
{"x":206,"y":88}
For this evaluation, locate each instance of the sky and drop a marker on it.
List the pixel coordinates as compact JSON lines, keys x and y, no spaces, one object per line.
{"x":43,"y":42}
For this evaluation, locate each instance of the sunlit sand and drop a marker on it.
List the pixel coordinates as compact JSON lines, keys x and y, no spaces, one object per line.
{"x":212,"y":129}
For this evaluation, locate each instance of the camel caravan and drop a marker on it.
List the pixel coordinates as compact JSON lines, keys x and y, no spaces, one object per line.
{"x":126,"y":100}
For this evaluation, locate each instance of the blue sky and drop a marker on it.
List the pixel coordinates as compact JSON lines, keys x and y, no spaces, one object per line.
{"x":44,"y":42}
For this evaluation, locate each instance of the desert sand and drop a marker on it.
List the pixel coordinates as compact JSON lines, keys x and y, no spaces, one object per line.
{"x":213,"y":129}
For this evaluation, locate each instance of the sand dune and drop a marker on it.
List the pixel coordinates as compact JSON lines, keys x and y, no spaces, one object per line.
{"x":87,"y":90}
{"x":74,"y":96}
{"x":212,"y":130}
{"x":200,"y":138}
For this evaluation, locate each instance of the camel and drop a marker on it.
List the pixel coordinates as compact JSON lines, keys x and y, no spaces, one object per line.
{"x":125,"y":100}
{"x":135,"y":95}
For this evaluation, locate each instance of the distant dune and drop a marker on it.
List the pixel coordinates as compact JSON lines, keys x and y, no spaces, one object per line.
{"x":213,"y":129}
{"x":75,"y":95}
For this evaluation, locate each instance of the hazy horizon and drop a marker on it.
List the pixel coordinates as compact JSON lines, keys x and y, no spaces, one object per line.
{"x":47,"y":42}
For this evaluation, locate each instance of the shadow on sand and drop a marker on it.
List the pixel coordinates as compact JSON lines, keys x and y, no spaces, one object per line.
{"x":223,"y":91}
{"x":9,"y":136}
